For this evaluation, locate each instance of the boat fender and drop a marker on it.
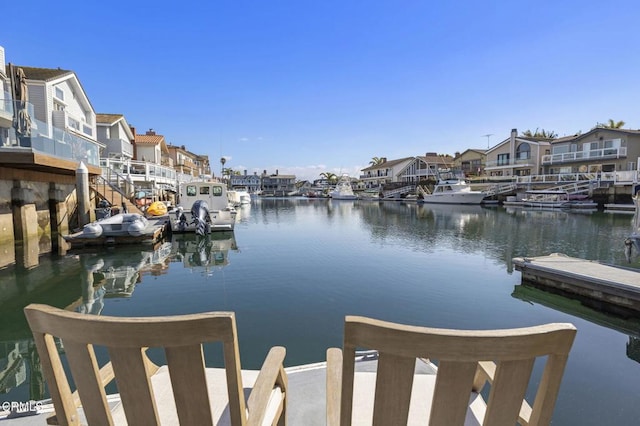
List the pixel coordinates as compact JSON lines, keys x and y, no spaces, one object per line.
{"x":136,"y":228}
{"x":92,"y":230}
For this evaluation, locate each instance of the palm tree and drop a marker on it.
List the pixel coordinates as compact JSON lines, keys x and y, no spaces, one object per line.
{"x":330,"y":177}
{"x":611,"y":124}
{"x":376,"y":161}
{"x":542,"y":134}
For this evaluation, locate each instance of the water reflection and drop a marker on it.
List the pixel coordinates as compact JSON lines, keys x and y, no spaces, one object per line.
{"x":587,"y":309}
{"x":204,"y":254}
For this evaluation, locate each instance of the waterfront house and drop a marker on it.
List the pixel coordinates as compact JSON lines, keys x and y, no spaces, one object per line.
{"x":425,"y":167}
{"x":115,"y":133}
{"x":250,"y":182}
{"x":277,"y":184}
{"x":613,"y":154}
{"x":187,"y":163}
{"x":39,"y":157}
{"x":471,"y":162}
{"x":377,"y":175}
{"x":517,"y":156}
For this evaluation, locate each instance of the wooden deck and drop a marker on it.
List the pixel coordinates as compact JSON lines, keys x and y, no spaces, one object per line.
{"x":617,"y":289}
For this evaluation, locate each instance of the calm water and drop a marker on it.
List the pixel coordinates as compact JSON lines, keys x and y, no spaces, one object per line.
{"x":294,"y":268}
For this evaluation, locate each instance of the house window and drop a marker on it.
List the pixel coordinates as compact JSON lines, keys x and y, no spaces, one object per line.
{"x":523,"y":152}
{"x":503,"y":159}
{"x":59,"y":93}
{"x":560,"y":149}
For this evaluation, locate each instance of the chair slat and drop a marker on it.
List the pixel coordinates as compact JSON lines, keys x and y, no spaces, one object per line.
{"x":231,"y":352}
{"x":451,"y":395}
{"x":547,"y":392}
{"x":86,"y":374}
{"x":507,"y":391}
{"x":134,"y":386}
{"x":394,"y":381}
{"x":189,"y":383}
{"x":55,"y":376}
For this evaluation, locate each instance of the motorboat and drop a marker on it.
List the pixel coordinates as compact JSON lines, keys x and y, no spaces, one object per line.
{"x":343,"y":190}
{"x":238,"y":197}
{"x":203,"y":207}
{"x":452,"y":192}
{"x":557,"y":199}
{"x":633,"y":240}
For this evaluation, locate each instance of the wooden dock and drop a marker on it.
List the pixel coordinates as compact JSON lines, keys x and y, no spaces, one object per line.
{"x":617,"y":289}
{"x":156,"y":231}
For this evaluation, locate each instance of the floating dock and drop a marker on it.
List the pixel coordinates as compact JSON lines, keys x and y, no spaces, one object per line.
{"x":155,"y":231}
{"x":616,"y":289}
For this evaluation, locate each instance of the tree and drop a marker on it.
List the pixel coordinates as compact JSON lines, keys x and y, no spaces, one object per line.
{"x":611,"y":124}
{"x":542,"y":134}
{"x":376,"y":161}
{"x":330,"y":177}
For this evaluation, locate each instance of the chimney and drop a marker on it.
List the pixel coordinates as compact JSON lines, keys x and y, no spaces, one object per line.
{"x":133,"y":130}
{"x":384,"y":159}
{"x":514,"y":135}
{"x":276,"y":172}
{"x":2,"y":65}
{"x":245,"y":172}
{"x":151,"y":132}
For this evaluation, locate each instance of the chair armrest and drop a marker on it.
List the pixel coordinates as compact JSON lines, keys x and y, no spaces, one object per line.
{"x":271,"y":374}
{"x":486,"y":372}
{"x":334,"y":385}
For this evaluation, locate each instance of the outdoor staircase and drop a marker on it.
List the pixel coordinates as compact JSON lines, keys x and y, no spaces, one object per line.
{"x":114,"y":195}
{"x":575,"y":188}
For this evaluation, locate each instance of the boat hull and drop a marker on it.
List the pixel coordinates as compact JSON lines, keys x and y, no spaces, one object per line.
{"x":466,"y":198}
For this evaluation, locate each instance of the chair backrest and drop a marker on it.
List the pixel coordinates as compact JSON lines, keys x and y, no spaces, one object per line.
{"x":458,"y":354}
{"x":126,"y":340}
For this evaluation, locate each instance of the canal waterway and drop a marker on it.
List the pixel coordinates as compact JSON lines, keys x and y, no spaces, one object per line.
{"x":293,"y":268}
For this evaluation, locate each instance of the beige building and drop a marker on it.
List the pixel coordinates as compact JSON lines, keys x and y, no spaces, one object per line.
{"x":517,"y":156}
{"x":471,"y":162}
{"x":599,"y":150}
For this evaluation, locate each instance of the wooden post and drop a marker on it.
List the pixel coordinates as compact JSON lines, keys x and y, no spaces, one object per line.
{"x":82,"y":194}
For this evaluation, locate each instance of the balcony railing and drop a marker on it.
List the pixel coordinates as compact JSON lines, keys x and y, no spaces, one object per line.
{"x":141,"y":171}
{"x":52,"y":140}
{"x":509,"y":162}
{"x":594,"y":154}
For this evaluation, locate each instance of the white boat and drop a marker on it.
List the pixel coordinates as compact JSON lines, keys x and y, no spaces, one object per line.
{"x":452,"y":192}
{"x":239,"y":196}
{"x":633,"y":240}
{"x":343,"y":190}
{"x":557,"y":199}
{"x":203,"y":207}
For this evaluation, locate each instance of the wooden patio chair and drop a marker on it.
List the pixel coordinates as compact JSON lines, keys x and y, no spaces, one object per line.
{"x":181,"y":392}
{"x":466,"y":360}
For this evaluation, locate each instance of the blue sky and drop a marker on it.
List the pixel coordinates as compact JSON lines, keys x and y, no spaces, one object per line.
{"x":312,"y":86}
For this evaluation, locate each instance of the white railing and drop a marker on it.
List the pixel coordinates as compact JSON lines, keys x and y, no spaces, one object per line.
{"x":593,"y":154}
{"x":142,"y":171}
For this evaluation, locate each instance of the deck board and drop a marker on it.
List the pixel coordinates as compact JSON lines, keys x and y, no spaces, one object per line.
{"x":605,"y":283}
